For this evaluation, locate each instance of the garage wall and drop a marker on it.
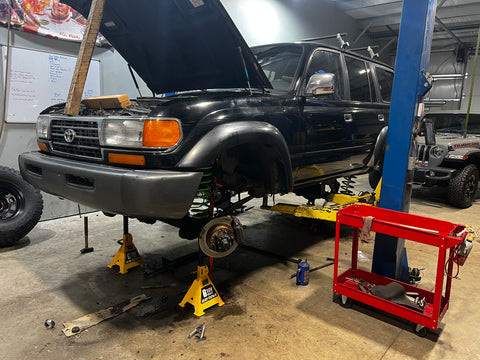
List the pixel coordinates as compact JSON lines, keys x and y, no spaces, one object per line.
{"x":454,"y":92}
{"x":468,"y":83}
{"x":259,"y":21}
{"x":270,"y":21}
{"x":447,"y":89}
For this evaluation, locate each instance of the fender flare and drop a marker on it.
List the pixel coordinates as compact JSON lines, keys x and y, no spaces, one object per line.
{"x":226,"y":136}
{"x":470,"y":151}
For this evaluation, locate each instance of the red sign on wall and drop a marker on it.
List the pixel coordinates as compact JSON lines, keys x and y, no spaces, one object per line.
{"x":45,"y":17}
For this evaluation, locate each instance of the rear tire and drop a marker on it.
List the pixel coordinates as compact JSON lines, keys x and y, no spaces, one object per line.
{"x":374,"y":177}
{"x":21,"y":206}
{"x":462,"y":187}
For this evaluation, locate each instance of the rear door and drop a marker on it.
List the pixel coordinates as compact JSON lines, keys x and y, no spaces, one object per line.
{"x":367,"y":113}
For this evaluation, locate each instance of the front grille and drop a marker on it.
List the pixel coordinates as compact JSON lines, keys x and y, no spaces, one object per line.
{"x":424,"y":153}
{"x":85,"y":141}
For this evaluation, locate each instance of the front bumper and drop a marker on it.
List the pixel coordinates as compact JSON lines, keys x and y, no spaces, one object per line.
{"x":159,"y":194}
{"x":424,"y":174}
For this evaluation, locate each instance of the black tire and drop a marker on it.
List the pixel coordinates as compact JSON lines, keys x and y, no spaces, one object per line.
{"x":21,"y":206}
{"x":374,"y":177}
{"x":462,"y":187}
{"x":345,"y":302}
{"x":422,"y":332}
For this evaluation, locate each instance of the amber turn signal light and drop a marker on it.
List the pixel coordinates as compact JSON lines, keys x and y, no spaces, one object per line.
{"x":42,"y":146}
{"x":126,"y":159}
{"x":161,"y":133}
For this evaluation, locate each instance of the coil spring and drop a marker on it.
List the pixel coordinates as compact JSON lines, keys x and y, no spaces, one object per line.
{"x":200,"y":208}
{"x":347,"y":185}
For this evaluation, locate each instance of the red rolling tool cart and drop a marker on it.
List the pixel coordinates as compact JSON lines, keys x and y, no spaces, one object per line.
{"x":422,"y":307}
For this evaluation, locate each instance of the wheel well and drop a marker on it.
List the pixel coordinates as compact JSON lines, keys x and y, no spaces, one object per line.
{"x":474,"y":159}
{"x":251,"y":167}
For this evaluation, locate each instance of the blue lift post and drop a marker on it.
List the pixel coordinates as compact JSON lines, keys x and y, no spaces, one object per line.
{"x":410,"y":84}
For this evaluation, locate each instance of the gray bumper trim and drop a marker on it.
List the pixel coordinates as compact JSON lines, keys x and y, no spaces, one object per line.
{"x":422,"y":174}
{"x":160,"y":194}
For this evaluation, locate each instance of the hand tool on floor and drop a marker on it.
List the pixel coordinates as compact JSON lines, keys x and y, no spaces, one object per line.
{"x":199,"y":331}
{"x":86,"y":249}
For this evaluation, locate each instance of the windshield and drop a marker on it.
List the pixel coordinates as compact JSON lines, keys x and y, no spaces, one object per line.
{"x":279,"y":63}
{"x":455,"y":123}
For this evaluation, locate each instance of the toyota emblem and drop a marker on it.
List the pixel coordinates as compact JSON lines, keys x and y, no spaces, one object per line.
{"x":69,"y":135}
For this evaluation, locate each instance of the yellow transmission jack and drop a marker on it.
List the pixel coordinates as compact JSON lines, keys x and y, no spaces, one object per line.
{"x":127,"y":256}
{"x":202,"y":294}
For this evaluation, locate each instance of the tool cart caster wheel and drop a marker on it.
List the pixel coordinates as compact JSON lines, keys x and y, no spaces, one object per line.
{"x":345,"y":302}
{"x":420,"y":331}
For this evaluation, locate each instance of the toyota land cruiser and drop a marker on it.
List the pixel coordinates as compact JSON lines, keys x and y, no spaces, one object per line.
{"x":271,"y":119}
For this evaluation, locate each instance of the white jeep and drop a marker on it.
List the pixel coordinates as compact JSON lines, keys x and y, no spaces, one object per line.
{"x":452,"y":158}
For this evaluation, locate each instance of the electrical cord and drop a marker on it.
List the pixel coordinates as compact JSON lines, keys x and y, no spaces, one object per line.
{"x":453,"y":255}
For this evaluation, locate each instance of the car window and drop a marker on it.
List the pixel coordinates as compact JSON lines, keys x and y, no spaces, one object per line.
{"x":474,"y":124}
{"x":385,"y":82}
{"x":327,"y":62}
{"x":279,"y":63}
{"x":455,"y":123}
{"x":358,"y":79}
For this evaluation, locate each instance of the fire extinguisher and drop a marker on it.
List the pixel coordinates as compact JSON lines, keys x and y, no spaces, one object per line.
{"x":302,"y":273}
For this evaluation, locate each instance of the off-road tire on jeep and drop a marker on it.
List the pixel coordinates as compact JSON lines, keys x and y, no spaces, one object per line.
{"x":463,"y":187}
{"x":21,"y":206}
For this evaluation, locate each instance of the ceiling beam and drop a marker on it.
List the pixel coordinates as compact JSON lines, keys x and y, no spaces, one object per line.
{"x":359,"y":4}
{"x":387,"y":45}
{"x":440,"y":4}
{"x":361,"y":34}
{"x":444,"y":27}
{"x":442,"y":13}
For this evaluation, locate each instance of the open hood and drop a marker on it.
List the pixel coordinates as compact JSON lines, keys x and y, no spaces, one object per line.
{"x":177,"y":45}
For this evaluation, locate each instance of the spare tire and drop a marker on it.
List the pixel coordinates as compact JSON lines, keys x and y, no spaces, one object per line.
{"x":21,"y":206}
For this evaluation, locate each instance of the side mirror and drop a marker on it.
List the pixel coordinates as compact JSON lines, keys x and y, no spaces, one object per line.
{"x":321,"y":84}
{"x":428,"y":131}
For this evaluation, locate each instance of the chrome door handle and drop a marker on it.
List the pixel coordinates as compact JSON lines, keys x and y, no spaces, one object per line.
{"x":348,"y":117}
{"x":381,"y":117}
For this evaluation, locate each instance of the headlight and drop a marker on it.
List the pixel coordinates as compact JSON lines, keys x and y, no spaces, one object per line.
{"x":43,"y":127}
{"x":457,"y":156}
{"x":140,"y":132}
{"x":438,"y":151}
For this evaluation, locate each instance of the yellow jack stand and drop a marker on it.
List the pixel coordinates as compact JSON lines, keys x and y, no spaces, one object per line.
{"x":127,"y":256}
{"x":202,"y":294}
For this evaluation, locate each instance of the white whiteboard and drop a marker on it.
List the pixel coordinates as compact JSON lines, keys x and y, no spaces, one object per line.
{"x":38,"y":79}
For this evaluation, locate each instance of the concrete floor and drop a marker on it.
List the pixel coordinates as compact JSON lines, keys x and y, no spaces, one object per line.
{"x":266,"y":316}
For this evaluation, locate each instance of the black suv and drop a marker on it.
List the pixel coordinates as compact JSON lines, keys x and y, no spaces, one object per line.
{"x":271,"y":119}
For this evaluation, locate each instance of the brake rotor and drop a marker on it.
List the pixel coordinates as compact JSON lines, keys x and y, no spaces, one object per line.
{"x":220,"y":237}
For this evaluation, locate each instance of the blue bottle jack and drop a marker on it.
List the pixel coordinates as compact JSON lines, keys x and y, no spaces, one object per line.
{"x":302,"y":273}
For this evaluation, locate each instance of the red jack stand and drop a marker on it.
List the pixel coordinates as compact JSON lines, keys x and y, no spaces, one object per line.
{"x":127,"y":256}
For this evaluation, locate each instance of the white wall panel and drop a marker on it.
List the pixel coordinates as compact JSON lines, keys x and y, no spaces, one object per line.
{"x":476,"y":90}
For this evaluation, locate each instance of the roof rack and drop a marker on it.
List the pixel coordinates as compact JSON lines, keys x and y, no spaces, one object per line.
{"x":373,"y":55}
{"x":338,"y":36}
